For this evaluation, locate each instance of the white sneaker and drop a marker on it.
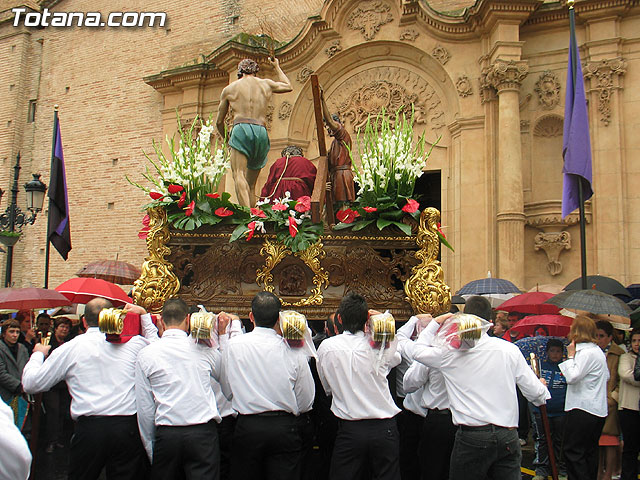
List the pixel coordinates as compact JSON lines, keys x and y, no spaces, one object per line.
{"x":523,"y":442}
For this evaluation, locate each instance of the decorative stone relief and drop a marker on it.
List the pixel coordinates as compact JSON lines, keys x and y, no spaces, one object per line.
{"x":604,"y":76}
{"x":524,"y":126}
{"x":409,"y":35}
{"x":553,"y":243}
{"x":369,"y":16}
{"x":304,"y":74}
{"x":463,"y":85}
{"x":549,"y":126}
{"x":487,"y":92}
{"x":285,"y":110}
{"x":269,"y":117}
{"x":441,"y":54}
{"x":332,"y":49}
{"x":391,"y":88}
{"x":548,"y":90}
{"x":503,"y":74}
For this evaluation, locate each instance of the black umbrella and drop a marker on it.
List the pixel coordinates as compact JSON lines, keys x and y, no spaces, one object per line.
{"x":457,"y":300}
{"x":634,"y":290}
{"x":591,"y":301}
{"x":602,"y":284}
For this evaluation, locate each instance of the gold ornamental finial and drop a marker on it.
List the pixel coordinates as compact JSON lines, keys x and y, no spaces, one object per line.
{"x":570,"y":3}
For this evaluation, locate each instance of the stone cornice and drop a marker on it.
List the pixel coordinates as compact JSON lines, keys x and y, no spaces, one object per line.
{"x":548,"y":214}
{"x":468,"y":123}
{"x":558,"y":12}
{"x":180,"y":77}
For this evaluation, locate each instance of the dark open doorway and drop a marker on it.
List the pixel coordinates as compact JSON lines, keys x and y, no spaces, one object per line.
{"x":427,"y":190}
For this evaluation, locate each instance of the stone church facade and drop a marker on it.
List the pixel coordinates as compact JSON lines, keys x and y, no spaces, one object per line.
{"x":487,"y":78}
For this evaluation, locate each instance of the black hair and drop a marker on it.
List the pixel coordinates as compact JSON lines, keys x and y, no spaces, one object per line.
{"x":265,"y":307}
{"x":354,"y":312}
{"x":93,"y":309}
{"x":606,"y":326}
{"x":43,"y":314}
{"x":174,"y":311}
{"x":554,"y":342}
{"x":478,"y":306}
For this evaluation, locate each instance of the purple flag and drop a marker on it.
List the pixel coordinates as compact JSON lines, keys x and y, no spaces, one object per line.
{"x":576,"y":143}
{"x":59,"y":232}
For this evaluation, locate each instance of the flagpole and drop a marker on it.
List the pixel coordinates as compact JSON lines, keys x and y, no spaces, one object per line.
{"x":53,"y":152}
{"x":573,"y":44}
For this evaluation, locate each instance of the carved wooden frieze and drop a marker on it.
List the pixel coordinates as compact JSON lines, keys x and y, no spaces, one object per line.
{"x":285,"y":110}
{"x":441,"y":54}
{"x":409,"y":35}
{"x":605,"y":78}
{"x":463,"y":85}
{"x":369,"y":16}
{"x":391,"y":89}
{"x":548,"y":90}
{"x":553,"y":243}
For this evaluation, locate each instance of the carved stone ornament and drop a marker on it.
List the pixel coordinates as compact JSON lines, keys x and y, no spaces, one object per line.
{"x":553,"y":243}
{"x":487,"y":92}
{"x":503,"y":75}
{"x":157,"y":281}
{"x":369,"y":16}
{"x":441,"y":54}
{"x":548,"y":90}
{"x":409,"y":35}
{"x":463,"y":85}
{"x":334,"y":48}
{"x":549,"y":126}
{"x":285,"y":110}
{"x":275,"y":252}
{"x":391,"y":88}
{"x":425,"y":289}
{"x":269,"y":117}
{"x":604,"y":76}
{"x":304,"y":74}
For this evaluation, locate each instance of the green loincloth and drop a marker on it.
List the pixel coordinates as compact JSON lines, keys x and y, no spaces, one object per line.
{"x":253,"y":142}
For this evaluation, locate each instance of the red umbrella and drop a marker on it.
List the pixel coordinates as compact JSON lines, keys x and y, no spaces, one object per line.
{"x":532,"y":302}
{"x":554,"y":325}
{"x":31,"y":299}
{"x":114,"y":271}
{"x":81,"y":290}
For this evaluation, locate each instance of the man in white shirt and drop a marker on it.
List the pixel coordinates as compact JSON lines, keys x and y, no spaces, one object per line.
{"x":15,"y":459}
{"x":177,"y":410}
{"x":481,"y":386}
{"x":272,"y":390}
{"x":367,"y":431}
{"x":100,"y":377}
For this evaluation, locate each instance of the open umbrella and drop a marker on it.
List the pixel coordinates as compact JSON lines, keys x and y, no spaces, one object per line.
{"x":602,"y":284}
{"x":31,"y":299}
{"x":592,"y":301}
{"x":484,"y":286}
{"x":530,"y":302}
{"x":634,"y":290}
{"x":635,"y":315}
{"x":554,"y":325}
{"x":82,"y":290}
{"x":113,"y":271}
{"x":537,"y":345}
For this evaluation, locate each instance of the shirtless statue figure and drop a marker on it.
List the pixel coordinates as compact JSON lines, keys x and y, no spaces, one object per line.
{"x":249,"y":97}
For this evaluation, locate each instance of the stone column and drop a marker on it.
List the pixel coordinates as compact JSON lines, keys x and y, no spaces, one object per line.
{"x":506,"y":77}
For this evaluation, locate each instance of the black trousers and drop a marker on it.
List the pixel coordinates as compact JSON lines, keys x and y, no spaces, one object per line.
{"x":436,"y":445}
{"x":267,"y":446}
{"x":580,"y":445}
{"x":630,"y":425}
{"x":187,"y":452}
{"x":409,"y":428}
{"x":111,"y":442}
{"x":366,"y":445}
{"x":225,"y":437}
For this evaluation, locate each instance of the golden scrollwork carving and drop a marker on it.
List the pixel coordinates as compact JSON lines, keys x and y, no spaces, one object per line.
{"x":425,"y":289}
{"x":275,"y":252}
{"x":157,"y":281}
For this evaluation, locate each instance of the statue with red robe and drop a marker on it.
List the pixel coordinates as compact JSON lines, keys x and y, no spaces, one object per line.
{"x":291,"y":173}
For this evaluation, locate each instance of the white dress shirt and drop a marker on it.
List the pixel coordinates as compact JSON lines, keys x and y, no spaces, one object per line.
{"x":430,"y":382}
{"x":173,"y":384}
{"x":412,"y":402}
{"x":15,"y":459}
{"x":481,"y":381}
{"x":346,"y":366}
{"x":265,"y":375}
{"x":100,"y":375}
{"x":224,"y":404}
{"x":587,"y":375}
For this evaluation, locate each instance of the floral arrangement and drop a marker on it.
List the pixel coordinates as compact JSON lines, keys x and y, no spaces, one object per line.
{"x":290,"y":220}
{"x":185,"y":181}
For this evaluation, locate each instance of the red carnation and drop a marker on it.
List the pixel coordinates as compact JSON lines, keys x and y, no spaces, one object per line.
{"x":347,"y":215}
{"x":370,"y":209}
{"x":174,"y":189}
{"x":252,"y":230}
{"x":144,"y":232}
{"x":183,"y":198}
{"x":257,"y":212}
{"x":223,"y":212}
{"x":304,"y":204}
{"x":293,"y":227}
{"x":156,"y":195}
{"x":411,"y":206}
{"x":189,"y":210}
{"x":279,"y":206}
{"x":212,"y":195}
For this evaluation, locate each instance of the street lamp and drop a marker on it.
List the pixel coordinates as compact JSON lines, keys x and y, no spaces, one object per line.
{"x":14,"y":218}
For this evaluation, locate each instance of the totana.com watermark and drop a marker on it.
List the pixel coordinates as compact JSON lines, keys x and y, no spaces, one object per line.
{"x":87,"y":19}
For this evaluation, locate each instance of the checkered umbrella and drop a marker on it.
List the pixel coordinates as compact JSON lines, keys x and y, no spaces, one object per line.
{"x":484,"y":286}
{"x":113,"y":271}
{"x":603,"y":284}
{"x":591,"y":301}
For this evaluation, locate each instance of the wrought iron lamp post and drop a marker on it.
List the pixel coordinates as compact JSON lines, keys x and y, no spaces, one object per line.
{"x":13,"y":219}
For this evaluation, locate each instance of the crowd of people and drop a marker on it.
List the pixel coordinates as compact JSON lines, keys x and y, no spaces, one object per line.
{"x":438,"y":401}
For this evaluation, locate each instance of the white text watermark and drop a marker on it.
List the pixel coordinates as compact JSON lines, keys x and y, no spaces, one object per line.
{"x":87,"y":19}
